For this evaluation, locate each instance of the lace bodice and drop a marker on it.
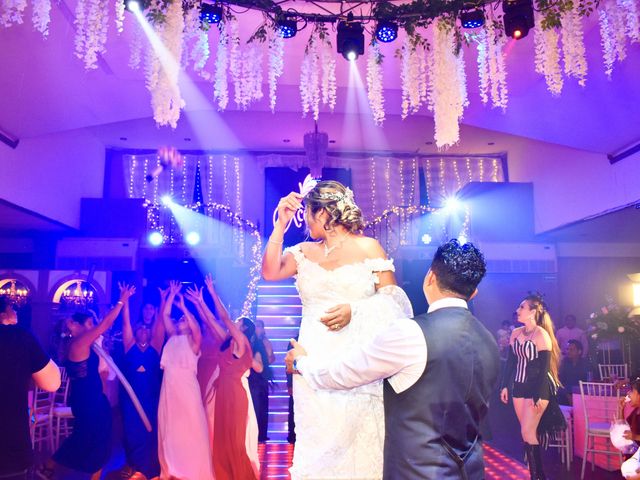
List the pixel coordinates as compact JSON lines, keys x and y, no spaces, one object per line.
{"x":318,"y":286}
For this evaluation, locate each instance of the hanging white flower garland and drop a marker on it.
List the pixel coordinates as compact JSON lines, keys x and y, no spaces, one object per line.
{"x":573,"y":49}
{"x":92,"y":24}
{"x":250,"y":84}
{"x":136,"y":47}
{"x":162,"y":76}
{"x":119,"y":9}
{"x":317,"y":74}
{"x":11,"y":12}
{"x":547,"y":56}
{"x":375,"y":89}
{"x":328,"y":60}
{"x":447,"y":88}
{"x":41,"y":16}
{"x":492,"y":72}
{"x":413,"y":75}
{"x":631,"y":14}
{"x":235,"y":59}
{"x":276,"y":64}
{"x":220,"y":82}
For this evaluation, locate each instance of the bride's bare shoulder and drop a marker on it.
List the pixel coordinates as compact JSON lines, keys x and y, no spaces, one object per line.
{"x":371,"y":247}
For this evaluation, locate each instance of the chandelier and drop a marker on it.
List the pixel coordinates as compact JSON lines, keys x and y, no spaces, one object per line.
{"x":16,"y":294}
{"x":81,"y":295}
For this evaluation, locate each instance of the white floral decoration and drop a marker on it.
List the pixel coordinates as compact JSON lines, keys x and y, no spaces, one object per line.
{"x":547,"y":56}
{"x":632,"y":15}
{"x":483,"y":65}
{"x":11,"y":12}
{"x":608,"y":46}
{"x":136,"y":46}
{"x":310,"y":77}
{"x":119,"y":9}
{"x":191,"y":29}
{"x":447,"y":90}
{"x":328,"y":59}
{"x":200,"y":55}
{"x":162,"y":76}
{"x":413,"y":75}
{"x":250,"y":85}
{"x":41,"y":16}
{"x":276,"y":64}
{"x":375,"y":89}
{"x":91,"y":31}
{"x":497,"y":67}
{"x":573,"y":49}
{"x":235,"y":59}
{"x":220,"y":82}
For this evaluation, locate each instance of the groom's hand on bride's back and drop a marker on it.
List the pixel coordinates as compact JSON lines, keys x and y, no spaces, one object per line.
{"x":296,"y":351}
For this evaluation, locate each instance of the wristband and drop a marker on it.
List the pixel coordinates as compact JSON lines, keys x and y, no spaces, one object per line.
{"x":120,"y":302}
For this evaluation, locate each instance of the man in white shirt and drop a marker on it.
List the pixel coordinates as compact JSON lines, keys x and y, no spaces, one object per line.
{"x":440,"y":370}
{"x":571,"y":332}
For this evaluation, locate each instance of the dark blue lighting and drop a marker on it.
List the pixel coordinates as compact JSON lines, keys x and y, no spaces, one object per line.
{"x":287,"y":28}
{"x":387,"y":32}
{"x":472,"y":19}
{"x":210,"y":13}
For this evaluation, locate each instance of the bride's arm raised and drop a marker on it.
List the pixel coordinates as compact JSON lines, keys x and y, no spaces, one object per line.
{"x":275,"y":266}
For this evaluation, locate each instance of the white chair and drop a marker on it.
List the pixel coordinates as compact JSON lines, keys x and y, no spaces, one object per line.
{"x":598,"y":415}
{"x":61,"y":416}
{"x":41,"y":432}
{"x":613,"y":371}
{"x":563,"y":440}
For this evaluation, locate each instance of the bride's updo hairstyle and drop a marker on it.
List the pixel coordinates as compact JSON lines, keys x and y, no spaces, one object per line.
{"x":338,"y":202}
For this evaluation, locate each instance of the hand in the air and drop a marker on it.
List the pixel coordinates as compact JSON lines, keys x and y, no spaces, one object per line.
{"x":287,"y":207}
{"x":337,"y":317}
{"x":126,"y":291}
{"x":174,"y":287}
{"x":194,"y":295}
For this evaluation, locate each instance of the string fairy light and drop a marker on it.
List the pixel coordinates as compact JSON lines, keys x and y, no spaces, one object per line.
{"x":373,"y":185}
{"x":494,"y":175}
{"x":145,"y":168}
{"x":469,"y":172}
{"x":456,"y":173}
{"x":155,"y":184}
{"x":184,"y":178}
{"x":134,"y":166}
{"x":481,"y":168}
{"x":443,"y":188}
{"x":429,"y":182}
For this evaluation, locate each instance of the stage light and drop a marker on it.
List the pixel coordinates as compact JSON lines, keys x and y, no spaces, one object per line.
{"x":166,"y":200}
{"x":472,"y":18}
{"x":156,"y":239}
{"x":210,"y":13}
{"x":386,"y":31}
{"x":135,"y":6}
{"x":518,"y":18}
{"x":193,"y":238}
{"x":462,"y":239}
{"x":452,"y":204}
{"x":350,"y":39}
{"x":426,"y":239}
{"x":287,"y":27}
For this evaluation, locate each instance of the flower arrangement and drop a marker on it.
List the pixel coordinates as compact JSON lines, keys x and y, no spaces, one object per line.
{"x":612,"y":321}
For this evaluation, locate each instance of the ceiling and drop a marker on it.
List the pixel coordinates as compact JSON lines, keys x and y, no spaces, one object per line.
{"x":16,"y":219}
{"x":45,"y":90}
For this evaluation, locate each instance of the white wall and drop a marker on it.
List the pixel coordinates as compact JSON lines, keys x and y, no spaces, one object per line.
{"x":50,"y":174}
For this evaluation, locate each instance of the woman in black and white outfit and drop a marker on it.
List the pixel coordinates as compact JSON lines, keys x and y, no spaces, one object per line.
{"x":531,"y":375}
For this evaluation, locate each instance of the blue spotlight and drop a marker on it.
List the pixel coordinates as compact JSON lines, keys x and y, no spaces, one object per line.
{"x":472,"y":18}
{"x":210,"y":13}
{"x":193,"y":238}
{"x":287,"y":28}
{"x":452,"y":204}
{"x":386,"y":31}
{"x":166,"y":200}
{"x":426,"y":239}
{"x":156,"y":239}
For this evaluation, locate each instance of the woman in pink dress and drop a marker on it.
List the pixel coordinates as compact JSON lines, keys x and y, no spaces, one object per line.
{"x":183,"y":444}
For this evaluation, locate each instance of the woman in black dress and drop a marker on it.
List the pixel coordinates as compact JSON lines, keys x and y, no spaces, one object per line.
{"x":87,"y":449}
{"x":531,"y":375}
{"x":141,"y":367}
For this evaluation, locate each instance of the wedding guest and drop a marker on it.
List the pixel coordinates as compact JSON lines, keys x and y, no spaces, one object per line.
{"x":183,"y":444}
{"x":141,"y":367}
{"x":573,"y":369}
{"x":88,"y":447}
{"x":630,"y":410}
{"x":571,"y":332}
{"x":21,"y":360}
{"x":502,"y":336}
{"x":531,"y":378}
{"x":259,"y":381}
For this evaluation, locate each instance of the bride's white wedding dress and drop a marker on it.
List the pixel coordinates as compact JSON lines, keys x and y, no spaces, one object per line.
{"x":340,"y":434}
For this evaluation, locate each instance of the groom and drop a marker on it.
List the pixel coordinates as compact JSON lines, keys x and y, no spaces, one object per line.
{"x":440,"y":369}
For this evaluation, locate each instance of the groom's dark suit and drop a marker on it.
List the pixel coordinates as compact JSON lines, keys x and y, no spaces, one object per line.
{"x":433,"y":427}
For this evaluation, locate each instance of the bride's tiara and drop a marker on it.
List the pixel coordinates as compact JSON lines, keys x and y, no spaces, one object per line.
{"x":345,"y":198}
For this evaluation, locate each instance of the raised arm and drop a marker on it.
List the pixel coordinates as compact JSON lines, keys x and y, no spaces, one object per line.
{"x":234,"y":331}
{"x":196,"y":333}
{"x":158,"y":331}
{"x":275,"y":266}
{"x":174,"y":288}
{"x":128,"y":339}
{"x":195,"y":296}
{"x":85,"y":339}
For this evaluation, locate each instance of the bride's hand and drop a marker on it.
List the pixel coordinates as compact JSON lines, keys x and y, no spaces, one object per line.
{"x":287,"y":207}
{"x":337,"y":317}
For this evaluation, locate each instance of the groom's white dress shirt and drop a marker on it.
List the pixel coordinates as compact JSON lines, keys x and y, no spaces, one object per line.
{"x":398,"y":353}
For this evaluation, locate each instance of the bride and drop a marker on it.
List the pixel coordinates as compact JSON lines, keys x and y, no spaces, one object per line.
{"x":348,"y":294}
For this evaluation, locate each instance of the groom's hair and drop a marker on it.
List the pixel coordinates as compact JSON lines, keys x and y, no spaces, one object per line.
{"x":458,"y":268}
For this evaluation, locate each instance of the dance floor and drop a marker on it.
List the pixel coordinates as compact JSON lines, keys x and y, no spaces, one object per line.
{"x":276,"y":459}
